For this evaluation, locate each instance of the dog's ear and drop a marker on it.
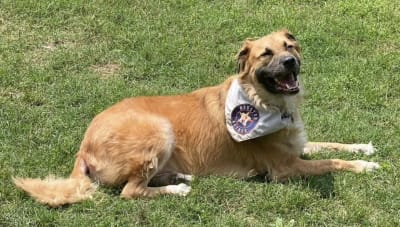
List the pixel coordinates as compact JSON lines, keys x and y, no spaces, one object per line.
{"x":243,"y":55}
{"x":288,"y":34}
{"x":291,"y":37}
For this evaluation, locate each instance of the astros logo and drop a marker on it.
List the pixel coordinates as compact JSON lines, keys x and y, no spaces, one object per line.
{"x":244,"y":118}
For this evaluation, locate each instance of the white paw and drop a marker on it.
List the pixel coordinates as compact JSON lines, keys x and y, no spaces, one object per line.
{"x":180,"y":189}
{"x":367,"y":149}
{"x":364,"y":166}
{"x":184,"y":177}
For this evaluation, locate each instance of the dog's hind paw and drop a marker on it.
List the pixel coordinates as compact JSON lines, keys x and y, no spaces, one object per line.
{"x":365,"y":166}
{"x":180,"y":189}
{"x":367,"y":149}
{"x":184,"y":177}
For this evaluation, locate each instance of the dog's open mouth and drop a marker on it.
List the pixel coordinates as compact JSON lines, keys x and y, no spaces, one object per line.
{"x":287,"y":84}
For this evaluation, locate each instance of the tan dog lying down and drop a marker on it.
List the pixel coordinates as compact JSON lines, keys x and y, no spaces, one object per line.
{"x":248,"y":125}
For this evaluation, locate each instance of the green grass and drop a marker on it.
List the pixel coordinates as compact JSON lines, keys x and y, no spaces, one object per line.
{"x":63,"y":62}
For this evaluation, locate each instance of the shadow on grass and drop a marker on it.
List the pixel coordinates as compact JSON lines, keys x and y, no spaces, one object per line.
{"x":323,"y":185}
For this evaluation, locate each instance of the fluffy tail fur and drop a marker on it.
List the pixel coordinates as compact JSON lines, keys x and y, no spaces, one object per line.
{"x":56,"y":192}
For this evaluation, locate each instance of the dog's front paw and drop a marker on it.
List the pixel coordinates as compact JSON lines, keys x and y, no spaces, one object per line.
{"x":367,"y":149}
{"x":365,"y":166}
{"x":180,"y":189}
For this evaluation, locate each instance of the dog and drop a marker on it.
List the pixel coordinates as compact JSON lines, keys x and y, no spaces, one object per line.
{"x":249,"y":125}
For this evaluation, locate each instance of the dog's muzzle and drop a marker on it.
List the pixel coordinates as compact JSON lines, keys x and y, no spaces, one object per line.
{"x":280,"y":75}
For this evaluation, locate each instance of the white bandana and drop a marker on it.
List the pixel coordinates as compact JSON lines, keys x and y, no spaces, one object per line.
{"x":244,"y":121}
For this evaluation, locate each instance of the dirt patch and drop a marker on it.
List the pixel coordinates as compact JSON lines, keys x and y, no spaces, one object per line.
{"x":53,"y":45}
{"x":107,"y":70}
{"x":11,"y":94}
{"x":42,"y":55}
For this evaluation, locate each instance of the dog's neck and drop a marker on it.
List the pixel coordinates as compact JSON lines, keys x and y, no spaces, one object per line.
{"x":263,"y":99}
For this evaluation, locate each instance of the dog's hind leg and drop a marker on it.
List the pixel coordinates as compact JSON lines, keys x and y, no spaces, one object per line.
{"x":138,"y":183}
{"x":148,"y":185}
{"x":160,"y":147}
{"x":168,"y":177}
{"x":314,"y":147}
{"x":134,"y":189}
{"x":130,"y":147}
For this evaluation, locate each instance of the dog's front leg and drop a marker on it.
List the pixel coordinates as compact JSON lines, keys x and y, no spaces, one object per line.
{"x":314,"y":147}
{"x":300,"y":167}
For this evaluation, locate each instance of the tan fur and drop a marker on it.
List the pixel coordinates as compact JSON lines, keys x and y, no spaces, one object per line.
{"x":142,"y":138}
{"x":55,"y":192}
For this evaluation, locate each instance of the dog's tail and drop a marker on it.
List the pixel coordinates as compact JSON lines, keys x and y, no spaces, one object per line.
{"x":56,"y":192}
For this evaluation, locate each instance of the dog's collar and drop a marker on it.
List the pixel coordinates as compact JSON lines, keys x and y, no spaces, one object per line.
{"x":244,"y":121}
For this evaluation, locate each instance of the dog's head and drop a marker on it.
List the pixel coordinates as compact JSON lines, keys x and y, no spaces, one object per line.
{"x":273,"y":62}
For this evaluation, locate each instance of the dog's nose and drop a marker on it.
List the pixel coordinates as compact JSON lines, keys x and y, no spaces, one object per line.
{"x":289,"y":62}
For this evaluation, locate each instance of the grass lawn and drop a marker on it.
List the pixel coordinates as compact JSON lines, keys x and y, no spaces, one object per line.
{"x":62,"y":62}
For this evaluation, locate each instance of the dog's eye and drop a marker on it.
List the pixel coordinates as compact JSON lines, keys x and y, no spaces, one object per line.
{"x":267,"y":52}
{"x":290,"y":47}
